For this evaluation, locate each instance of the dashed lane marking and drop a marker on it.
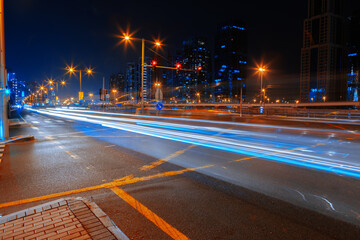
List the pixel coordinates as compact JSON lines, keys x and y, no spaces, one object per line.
{"x":49,"y":138}
{"x":163,"y":160}
{"x":72,"y":155}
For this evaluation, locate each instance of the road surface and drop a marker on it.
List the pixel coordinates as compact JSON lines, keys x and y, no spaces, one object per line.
{"x":163,"y":178}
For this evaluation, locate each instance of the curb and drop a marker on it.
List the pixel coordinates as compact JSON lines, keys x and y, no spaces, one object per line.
{"x":22,"y":138}
{"x":93,"y":207}
{"x":104,"y":219}
{"x":2,"y":150}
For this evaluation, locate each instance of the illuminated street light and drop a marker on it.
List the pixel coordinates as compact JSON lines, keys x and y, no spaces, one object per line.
{"x":126,"y":37}
{"x":72,"y":70}
{"x":261,"y":70}
{"x":198,"y":95}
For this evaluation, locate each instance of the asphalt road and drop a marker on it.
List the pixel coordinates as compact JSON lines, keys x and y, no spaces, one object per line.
{"x":163,"y":178}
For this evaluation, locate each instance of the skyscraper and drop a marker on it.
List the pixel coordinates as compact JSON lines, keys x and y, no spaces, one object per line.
{"x":230,"y":62}
{"x":17,"y":89}
{"x":117,"y":83}
{"x":322,"y":76}
{"x":133,"y":82}
{"x":196,"y":57}
{"x":353,"y":56}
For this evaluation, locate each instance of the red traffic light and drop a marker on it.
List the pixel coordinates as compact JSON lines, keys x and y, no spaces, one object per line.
{"x":199,"y":68}
{"x":154,"y":62}
{"x":178,"y":65}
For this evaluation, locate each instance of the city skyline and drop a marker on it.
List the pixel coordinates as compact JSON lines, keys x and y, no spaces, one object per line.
{"x":274,"y":41}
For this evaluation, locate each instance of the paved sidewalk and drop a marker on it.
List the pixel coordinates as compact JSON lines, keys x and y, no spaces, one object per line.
{"x":70,"y":218}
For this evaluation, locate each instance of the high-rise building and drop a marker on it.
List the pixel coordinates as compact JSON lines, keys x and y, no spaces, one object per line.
{"x":148,"y":79}
{"x":322,"y":74}
{"x":230,"y":62}
{"x":173,"y":81}
{"x":117,"y":85}
{"x":353,"y":56}
{"x":133,"y":82}
{"x":17,"y":89}
{"x":196,"y":58}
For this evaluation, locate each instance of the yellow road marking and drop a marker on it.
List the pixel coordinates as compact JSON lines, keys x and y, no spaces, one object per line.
{"x":242,"y":159}
{"x":118,"y":182}
{"x":158,"y":221}
{"x":72,"y":155}
{"x":168,"y":158}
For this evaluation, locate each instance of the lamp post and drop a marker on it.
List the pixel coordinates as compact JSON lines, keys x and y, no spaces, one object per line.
{"x":261,"y":70}
{"x":158,"y":93}
{"x":91,"y":96}
{"x":51,"y":82}
{"x":114,"y":91}
{"x":127,"y":37}
{"x":72,"y":70}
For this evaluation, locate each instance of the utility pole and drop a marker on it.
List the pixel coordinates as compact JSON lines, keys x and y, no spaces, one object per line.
{"x":4,"y":122}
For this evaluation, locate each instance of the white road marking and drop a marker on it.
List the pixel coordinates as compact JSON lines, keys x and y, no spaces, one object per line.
{"x":49,"y":138}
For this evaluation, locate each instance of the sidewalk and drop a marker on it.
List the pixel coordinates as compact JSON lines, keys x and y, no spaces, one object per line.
{"x":70,"y":218}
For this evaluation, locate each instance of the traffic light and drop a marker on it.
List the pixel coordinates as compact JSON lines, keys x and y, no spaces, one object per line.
{"x":178,"y":66}
{"x":100,"y":94}
{"x":153,"y":63}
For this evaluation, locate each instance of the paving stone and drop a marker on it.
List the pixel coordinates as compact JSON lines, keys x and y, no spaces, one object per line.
{"x":63,"y":218}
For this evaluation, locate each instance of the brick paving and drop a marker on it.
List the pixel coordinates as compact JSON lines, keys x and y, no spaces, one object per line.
{"x":64,"y":219}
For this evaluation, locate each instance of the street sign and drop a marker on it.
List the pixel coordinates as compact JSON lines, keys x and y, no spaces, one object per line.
{"x":159,"y":106}
{"x":81,"y":96}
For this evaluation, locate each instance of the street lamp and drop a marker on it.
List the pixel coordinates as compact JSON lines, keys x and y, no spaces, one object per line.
{"x":157,"y":43}
{"x":261,"y":70}
{"x":114,"y":91}
{"x":72,"y":70}
{"x":198,"y":95}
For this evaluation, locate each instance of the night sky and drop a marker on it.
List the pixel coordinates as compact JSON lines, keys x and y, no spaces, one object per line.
{"x":42,"y":36}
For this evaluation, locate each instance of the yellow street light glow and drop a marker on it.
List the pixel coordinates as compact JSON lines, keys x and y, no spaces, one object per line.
{"x":158,"y":44}
{"x":63,"y":82}
{"x":89,"y":71}
{"x":127,"y":37}
{"x":261,"y":69}
{"x":114,"y":90}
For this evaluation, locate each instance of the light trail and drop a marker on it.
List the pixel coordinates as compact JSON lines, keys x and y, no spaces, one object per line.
{"x":198,"y":120}
{"x":193,"y":136}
